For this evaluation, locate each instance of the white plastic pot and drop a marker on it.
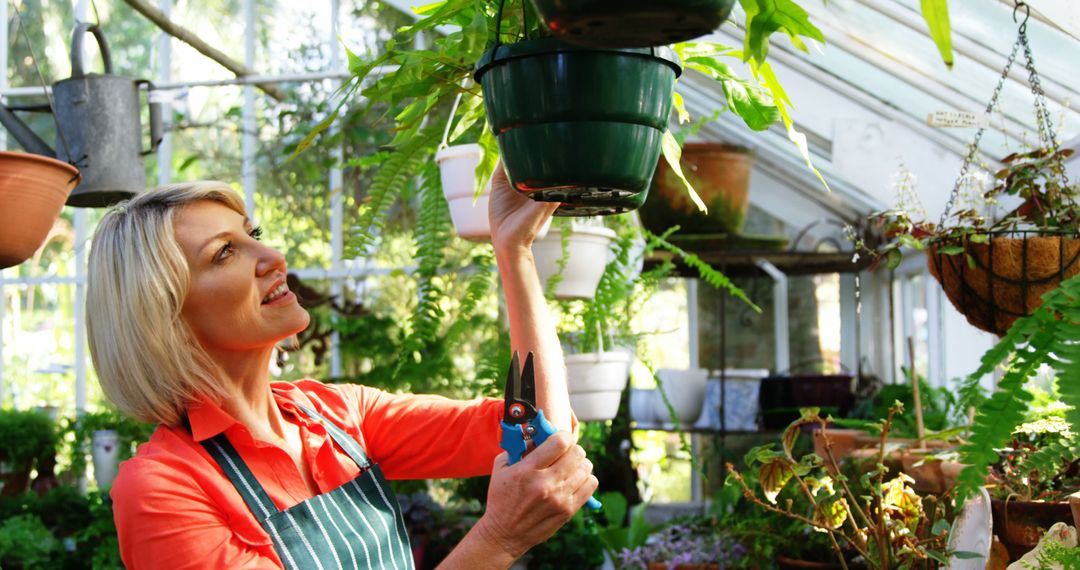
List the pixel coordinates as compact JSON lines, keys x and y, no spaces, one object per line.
{"x":588,"y":255}
{"x":105,"y":452}
{"x":596,"y":381}
{"x":741,"y":389}
{"x":457,"y":170}
{"x":686,"y":391}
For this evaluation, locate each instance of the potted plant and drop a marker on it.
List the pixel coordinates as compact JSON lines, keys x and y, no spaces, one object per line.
{"x":691,"y":544}
{"x":634,"y":23}
{"x":109,"y":438}
{"x":875,"y":518}
{"x":27,"y":438}
{"x":684,"y":392}
{"x":33,"y":189}
{"x":720,"y":172}
{"x":566,"y":260}
{"x":995,"y":269}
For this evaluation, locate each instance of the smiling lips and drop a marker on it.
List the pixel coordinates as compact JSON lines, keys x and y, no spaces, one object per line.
{"x":278,"y":292}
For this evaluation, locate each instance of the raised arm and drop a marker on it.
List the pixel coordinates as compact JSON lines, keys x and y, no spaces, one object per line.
{"x":515,"y":221}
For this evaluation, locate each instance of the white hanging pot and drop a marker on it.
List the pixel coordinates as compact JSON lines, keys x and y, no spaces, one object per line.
{"x":106,"y":455}
{"x":685,"y":390}
{"x":596,"y":381}
{"x":587,"y":253}
{"x":457,"y":169}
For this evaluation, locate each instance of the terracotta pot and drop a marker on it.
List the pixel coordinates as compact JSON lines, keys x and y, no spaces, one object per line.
{"x":931,"y":475}
{"x":1020,"y":524}
{"x":844,"y":441}
{"x":721,"y":175}
{"x":33,"y":189}
{"x":1005,"y":284}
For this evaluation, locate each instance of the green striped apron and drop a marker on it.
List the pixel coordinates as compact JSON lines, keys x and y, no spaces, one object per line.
{"x":358,"y":525}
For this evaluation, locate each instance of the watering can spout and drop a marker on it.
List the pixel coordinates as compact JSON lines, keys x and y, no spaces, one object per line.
{"x":22,"y":133}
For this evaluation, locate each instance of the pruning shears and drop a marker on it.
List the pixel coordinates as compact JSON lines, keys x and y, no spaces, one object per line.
{"x":522,"y":421}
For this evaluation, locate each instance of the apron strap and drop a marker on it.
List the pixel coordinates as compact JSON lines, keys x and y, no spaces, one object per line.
{"x":346,"y":441}
{"x":241,"y":477}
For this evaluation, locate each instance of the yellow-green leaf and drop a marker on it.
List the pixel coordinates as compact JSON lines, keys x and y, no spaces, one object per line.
{"x":772,"y":477}
{"x":936,"y":14}
{"x":673,"y":155}
{"x":680,"y":107}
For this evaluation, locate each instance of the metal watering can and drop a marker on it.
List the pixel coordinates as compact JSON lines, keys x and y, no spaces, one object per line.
{"x":99,"y":129}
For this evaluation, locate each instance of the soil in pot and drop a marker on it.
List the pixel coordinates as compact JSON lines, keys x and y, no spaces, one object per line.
{"x":1020,"y":524}
{"x":632,"y":23}
{"x":721,"y":175}
{"x":33,"y":189}
{"x":1004,"y":283}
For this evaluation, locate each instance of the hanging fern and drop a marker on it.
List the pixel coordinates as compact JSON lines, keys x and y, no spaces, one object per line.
{"x":396,"y":172}
{"x":565,"y":229}
{"x":708,"y":273}
{"x":1049,"y":336}
{"x":433,"y":230}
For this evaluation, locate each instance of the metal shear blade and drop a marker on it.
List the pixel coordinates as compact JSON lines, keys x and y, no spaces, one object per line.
{"x":520,"y":403}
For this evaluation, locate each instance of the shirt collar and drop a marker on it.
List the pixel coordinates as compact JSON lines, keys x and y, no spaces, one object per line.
{"x":208,"y":419}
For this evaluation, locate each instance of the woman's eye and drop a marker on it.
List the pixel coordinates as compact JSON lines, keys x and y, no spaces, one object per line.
{"x":256,"y":232}
{"x":224,"y":251}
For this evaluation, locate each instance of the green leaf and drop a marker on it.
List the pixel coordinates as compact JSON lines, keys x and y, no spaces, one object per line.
{"x":488,"y":159}
{"x":971,"y":261}
{"x":965,"y":555}
{"x":979,"y":238}
{"x":765,"y":17}
{"x":950,"y":250}
{"x":893,"y":258}
{"x":310,"y":137}
{"x":936,"y":14}
{"x":673,"y":155}
{"x":941,"y":526}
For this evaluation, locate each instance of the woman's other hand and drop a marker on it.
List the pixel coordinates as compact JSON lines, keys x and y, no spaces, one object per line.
{"x":515,"y":218}
{"x":530,"y":500}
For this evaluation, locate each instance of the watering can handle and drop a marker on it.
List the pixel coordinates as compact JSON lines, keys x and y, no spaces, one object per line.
{"x":155,"y":116}
{"x":77,"y":69}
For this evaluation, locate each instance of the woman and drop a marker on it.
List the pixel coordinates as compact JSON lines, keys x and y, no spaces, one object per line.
{"x":185,"y":307}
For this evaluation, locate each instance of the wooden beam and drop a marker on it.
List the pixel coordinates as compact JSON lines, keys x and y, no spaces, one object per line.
{"x":187,"y":36}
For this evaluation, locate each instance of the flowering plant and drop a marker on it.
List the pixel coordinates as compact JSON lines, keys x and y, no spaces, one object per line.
{"x":687,"y":543}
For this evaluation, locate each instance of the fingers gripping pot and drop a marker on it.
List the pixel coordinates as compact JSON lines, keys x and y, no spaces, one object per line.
{"x":577,"y":125}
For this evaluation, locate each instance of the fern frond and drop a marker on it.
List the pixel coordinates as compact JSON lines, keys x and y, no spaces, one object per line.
{"x":565,"y":230}
{"x":386,"y":185}
{"x":708,"y":273}
{"x":432,"y":232}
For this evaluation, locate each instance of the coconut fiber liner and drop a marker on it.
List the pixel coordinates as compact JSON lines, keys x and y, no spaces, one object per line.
{"x":1007,"y":286}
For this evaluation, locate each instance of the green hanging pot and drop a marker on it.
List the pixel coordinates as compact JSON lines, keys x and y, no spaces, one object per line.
{"x":578,"y":125}
{"x":632,"y":23}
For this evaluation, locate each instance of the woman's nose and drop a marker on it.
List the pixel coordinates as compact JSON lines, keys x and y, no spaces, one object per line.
{"x":270,"y":259}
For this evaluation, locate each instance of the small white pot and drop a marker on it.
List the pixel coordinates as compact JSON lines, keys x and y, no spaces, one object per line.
{"x":106,"y":454}
{"x":686,"y":391}
{"x":588,"y":255}
{"x":457,"y":170}
{"x":741,"y":400}
{"x":596,"y":382}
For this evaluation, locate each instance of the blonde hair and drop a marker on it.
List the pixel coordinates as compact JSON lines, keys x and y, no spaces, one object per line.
{"x":147,"y":359}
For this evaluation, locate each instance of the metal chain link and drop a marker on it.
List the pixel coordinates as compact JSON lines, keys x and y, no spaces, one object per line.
{"x":1047,"y":136}
{"x":973,"y":148}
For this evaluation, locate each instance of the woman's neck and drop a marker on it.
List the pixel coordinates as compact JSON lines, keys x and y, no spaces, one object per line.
{"x":252,"y":402}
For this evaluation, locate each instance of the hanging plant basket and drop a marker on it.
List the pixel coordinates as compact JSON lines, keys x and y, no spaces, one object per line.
{"x":578,"y":125}
{"x":996,"y":282}
{"x":632,"y":23}
{"x":721,"y":175}
{"x":33,"y":189}
{"x":587,"y":255}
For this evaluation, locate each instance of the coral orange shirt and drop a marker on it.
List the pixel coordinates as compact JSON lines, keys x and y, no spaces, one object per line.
{"x":174,"y":507}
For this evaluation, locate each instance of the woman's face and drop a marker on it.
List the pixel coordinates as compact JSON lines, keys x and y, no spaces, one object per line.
{"x":238,"y":300}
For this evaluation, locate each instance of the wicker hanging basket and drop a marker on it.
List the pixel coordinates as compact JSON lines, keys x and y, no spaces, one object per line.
{"x":997,"y":282}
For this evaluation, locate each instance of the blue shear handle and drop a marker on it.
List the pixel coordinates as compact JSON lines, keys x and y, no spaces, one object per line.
{"x":513,"y":441}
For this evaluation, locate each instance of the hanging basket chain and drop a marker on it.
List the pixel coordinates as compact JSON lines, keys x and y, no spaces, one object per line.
{"x":44,"y":85}
{"x":1047,"y":136}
